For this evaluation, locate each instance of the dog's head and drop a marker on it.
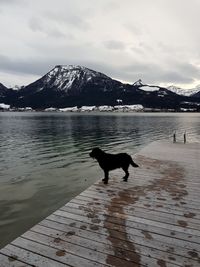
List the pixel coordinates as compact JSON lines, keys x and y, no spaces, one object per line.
{"x":96,"y":153}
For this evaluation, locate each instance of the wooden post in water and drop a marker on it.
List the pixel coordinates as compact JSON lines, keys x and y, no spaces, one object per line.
{"x":184,"y":137}
{"x":174,"y":137}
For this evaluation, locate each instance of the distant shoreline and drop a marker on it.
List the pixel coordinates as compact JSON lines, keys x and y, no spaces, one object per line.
{"x":105,"y":108}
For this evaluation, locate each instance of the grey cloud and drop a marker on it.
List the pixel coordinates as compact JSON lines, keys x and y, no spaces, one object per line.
{"x":111,"y":6}
{"x":138,"y":50}
{"x":114,"y":45}
{"x":77,"y":22}
{"x":188,"y":69}
{"x":58,"y":34}
{"x":149,"y":73}
{"x":137,"y":67}
{"x":73,"y":20}
{"x":37,"y":25}
{"x":29,"y":66}
{"x":153,"y":73}
{"x":62,"y":51}
{"x":135,"y":30}
{"x":11,"y":2}
{"x":40,"y":66}
{"x":174,"y":77}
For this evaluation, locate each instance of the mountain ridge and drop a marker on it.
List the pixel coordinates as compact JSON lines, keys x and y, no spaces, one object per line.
{"x":74,"y":85}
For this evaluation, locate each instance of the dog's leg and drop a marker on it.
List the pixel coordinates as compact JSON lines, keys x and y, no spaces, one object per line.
{"x":105,"y":180}
{"x":125,"y":178}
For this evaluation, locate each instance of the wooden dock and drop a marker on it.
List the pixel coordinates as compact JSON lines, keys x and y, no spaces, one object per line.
{"x":152,"y":220}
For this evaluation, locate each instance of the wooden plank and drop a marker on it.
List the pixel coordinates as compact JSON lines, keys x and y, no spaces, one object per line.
{"x":147,"y":213}
{"x":159,"y":199}
{"x":11,"y":261}
{"x":90,"y":250}
{"x":130,"y":185}
{"x":141,"y":238}
{"x":155,"y":209}
{"x":171,"y":196}
{"x":57,"y":254}
{"x":29,"y":257}
{"x":130,"y":220}
{"x":101,"y":244}
{"x":115,"y":231}
{"x":144,"y":206}
{"x":106,"y":248}
{"x":145,"y":203}
{"x":182,"y":239}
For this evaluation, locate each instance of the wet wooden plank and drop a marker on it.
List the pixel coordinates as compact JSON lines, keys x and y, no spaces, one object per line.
{"x":153,"y":220}
{"x":11,"y":261}
{"x":51,"y":256}
{"x":141,"y":224}
{"x":28,"y":255}
{"x":84,"y":249}
{"x":146,"y":243}
{"x":145,"y":207}
{"x":102,"y":249}
{"x":154,"y":215}
{"x":140,"y":231}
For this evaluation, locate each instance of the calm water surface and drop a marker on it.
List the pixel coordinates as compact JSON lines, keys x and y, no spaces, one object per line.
{"x":44,"y":158}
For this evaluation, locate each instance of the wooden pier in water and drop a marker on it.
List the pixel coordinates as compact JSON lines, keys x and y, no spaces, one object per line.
{"x":152,"y":220}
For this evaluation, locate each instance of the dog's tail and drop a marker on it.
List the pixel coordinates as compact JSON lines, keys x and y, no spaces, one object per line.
{"x":133,"y":163}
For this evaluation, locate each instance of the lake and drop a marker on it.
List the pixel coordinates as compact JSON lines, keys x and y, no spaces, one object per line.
{"x":44,"y":159}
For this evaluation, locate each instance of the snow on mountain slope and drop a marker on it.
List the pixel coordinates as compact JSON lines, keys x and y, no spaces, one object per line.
{"x":16,"y":87}
{"x":63,"y":77}
{"x":172,"y":88}
{"x":146,"y":87}
{"x":149,"y":88}
{"x":185,"y":92}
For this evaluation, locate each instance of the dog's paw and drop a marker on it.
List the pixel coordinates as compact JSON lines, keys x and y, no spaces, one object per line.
{"x":104,"y":180}
{"x":125,"y":180}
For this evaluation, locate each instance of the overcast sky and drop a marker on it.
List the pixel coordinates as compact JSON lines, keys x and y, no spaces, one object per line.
{"x":153,"y":40}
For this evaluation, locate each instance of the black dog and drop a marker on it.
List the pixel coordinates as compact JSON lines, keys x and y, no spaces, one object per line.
{"x":110,"y":162}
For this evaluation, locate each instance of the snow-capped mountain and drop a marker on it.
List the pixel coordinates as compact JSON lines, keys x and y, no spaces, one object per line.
{"x":69,"y":80}
{"x":63,"y":78}
{"x":71,"y":85}
{"x":185,"y":92}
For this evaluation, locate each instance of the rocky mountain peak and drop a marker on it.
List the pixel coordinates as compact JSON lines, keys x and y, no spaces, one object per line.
{"x":138,"y":83}
{"x":63,"y":77}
